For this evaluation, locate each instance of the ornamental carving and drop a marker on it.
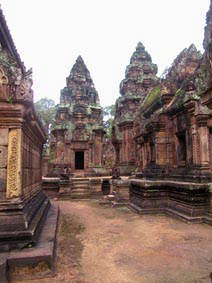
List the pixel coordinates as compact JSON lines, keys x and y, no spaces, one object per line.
{"x":24,"y":89}
{"x":3,"y":78}
{"x":14,"y":164}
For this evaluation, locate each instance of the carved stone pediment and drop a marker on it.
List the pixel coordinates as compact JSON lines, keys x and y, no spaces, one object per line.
{"x":24,"y":90}
{"x":14,"y":85}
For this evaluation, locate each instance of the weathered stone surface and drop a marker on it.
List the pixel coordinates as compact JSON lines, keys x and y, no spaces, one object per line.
{"x":3,"y":178}
{"x":4,"y":137}
{"x":43,"y":252}
{"x":109,"y":155}
{"x":187,"y":201}
{"x":3,"y":156}
{"x":3,"y":268}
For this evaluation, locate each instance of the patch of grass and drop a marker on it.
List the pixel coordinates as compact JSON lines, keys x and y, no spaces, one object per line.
{"x":123,"y":209}
{"x":28,"y":272}
{"x":70,"y":226}
{"x":70,"y":242}
{"x":110,"y":212}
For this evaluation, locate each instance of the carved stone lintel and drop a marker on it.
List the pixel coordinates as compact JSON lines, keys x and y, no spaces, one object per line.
{"x":14,"y":164}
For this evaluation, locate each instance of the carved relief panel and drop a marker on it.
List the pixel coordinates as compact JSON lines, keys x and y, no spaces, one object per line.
{"x":14,"y":164}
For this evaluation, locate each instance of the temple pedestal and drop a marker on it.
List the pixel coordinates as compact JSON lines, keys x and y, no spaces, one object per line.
{"x":185,"y":200}
{"x":22,"y":221}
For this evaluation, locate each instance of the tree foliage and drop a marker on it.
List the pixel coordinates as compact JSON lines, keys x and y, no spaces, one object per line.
{"x":109,"y":113}
{"x":46,"y":110}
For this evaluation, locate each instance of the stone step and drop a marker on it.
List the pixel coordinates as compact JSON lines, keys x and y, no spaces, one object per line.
{"x":79,"y":193}
{"x":177,"y":214}
{"x":80,"y":179}
{"x":80,"y":190}
{"x":79,"y":185}
{"x":134,"y":208}
{"x":171,"y":212}
{"x":44,"y":251}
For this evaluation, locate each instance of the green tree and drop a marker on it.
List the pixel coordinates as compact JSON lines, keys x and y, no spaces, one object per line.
{"x":46,"y":111}
{"x":109,"y":113}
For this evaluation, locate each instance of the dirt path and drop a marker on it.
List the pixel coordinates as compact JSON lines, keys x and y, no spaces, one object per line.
{"x":113,"y":245}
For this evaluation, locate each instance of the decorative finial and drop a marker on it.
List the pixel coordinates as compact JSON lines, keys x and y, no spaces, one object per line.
{"x":79,"y":59}
{"x":140,"y":46}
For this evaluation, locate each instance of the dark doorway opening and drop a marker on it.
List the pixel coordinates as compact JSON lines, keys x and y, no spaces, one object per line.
{"x":79,"y":160}
{"x":105,"y":187}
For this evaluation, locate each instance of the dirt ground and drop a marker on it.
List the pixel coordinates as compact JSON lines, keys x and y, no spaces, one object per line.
{"x":99,"y":244}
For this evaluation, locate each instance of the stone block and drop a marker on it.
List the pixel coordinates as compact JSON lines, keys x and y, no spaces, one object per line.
{"x":3,"y":177}
{"x":3,"y":268}
{"x":3,"y":156}
{"x":3,"y":136}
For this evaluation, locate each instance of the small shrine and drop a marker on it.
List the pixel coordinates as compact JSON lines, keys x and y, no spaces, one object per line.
{"x":77,"y":137}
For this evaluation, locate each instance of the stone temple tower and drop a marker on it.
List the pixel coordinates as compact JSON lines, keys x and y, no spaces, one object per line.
{"x":77,"y":136}
{"x":140,"y":78}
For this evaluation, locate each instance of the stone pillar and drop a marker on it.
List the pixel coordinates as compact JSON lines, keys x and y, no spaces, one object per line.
{"x":98,"y":147}
{"x":203,"y":133}
{"x":159,"y":149}
{"x":204,"y":146}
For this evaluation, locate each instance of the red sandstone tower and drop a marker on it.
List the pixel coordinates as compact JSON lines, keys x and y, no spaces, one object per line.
{"x":77,"y":137}
{"x":139,"y":80}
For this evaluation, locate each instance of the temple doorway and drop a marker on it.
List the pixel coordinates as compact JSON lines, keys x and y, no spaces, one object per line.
{"x":79,"y":160}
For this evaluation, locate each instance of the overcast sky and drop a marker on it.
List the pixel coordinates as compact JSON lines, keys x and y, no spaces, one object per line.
{"x":50,"y":34}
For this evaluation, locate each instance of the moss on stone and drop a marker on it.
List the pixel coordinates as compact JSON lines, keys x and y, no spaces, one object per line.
{"x":152,"y":96}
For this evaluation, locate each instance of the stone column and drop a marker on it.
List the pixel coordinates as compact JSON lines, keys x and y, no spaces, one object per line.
{"x":195,"y":145}
{"x":204,"y":145}
{"x":203,"y":133}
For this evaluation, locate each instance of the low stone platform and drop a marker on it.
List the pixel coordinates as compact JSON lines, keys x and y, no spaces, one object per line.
{"x":74,"y":187}
{"x":188,"y":201}
{"x":43,"y":252}
{"x":51,"y":186}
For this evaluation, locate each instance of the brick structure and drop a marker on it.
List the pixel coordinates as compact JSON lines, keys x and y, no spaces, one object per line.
{"x":77,"y":137}
{"x":173,"y":136}
{"x":23,"y":206}
{"x":140,"y":78}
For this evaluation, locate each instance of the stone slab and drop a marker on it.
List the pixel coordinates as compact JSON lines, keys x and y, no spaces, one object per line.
{"x":3,"y":156}
{"x":44,"y":251}
{"x":3,"y":268}
{"x":4,"y":136}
